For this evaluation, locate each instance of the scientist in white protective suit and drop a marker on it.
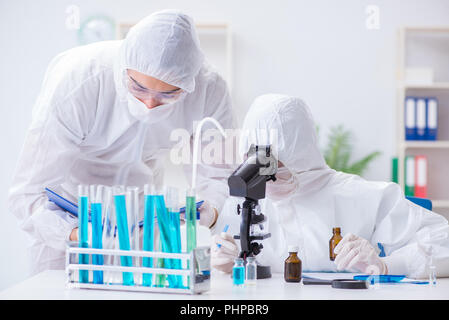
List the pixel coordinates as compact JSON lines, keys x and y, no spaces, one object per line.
{"x":104,"y":116}
{"x":308,"y":199}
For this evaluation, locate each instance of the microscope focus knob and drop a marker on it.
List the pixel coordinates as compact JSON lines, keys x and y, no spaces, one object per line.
{"x":256,"y":248}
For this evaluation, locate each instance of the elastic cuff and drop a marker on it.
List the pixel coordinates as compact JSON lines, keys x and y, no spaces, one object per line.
{"x":215,"y":218}
{"x":396,"y":264}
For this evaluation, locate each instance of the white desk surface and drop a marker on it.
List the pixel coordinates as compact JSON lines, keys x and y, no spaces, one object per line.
{"x":51,"y":285}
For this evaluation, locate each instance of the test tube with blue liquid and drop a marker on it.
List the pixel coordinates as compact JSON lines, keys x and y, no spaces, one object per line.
{"x":175,"y":228}
{"x":96,"y":195}
{"x":148,"y":231}
{"x":83,"y":220}
{"x":167,"y":235}
{"x":123,"y":232}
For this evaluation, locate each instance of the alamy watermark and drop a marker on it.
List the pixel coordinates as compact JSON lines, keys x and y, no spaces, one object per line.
{"x":217,"y":150}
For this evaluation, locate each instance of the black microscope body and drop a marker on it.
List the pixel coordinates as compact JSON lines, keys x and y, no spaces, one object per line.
{"x":249,"y":181}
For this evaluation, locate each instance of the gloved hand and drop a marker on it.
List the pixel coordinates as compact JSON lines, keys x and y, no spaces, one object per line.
{"x":50,"y":205}
{"x":355,"y":252}
{"x":223,"y":258}
{"x":208,"y":214}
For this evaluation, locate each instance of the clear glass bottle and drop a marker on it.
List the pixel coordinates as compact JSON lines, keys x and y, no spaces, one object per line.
{"x":292,"y":266}
{"x":336,"y":238}
{"x":251,"y":271}
{"x":238,"y":272}
{"x":432,"y":269}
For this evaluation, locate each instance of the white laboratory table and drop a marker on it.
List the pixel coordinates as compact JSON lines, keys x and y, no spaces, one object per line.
{"x":51,"y":285}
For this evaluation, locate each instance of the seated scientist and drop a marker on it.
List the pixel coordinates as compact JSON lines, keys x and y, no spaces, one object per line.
{"x":308,"y":199}
{"x":104,"y":116}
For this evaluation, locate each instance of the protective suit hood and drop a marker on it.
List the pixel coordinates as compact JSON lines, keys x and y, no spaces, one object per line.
{"x":287,"y":124}
{"x":164,"y":46}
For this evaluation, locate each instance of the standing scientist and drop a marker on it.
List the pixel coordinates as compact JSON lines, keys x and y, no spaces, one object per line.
{"x":104,"y":116}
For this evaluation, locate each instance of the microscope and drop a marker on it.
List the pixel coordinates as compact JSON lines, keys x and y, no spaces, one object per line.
{"x":249,"y":181}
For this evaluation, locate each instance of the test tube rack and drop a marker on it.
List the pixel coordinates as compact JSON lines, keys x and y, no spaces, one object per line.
{"x":197,"y":271}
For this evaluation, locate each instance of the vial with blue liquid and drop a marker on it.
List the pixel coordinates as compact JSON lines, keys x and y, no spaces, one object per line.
{"x":238,"y":272}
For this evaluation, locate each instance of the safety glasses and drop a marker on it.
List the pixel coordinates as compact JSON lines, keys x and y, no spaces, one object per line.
{"x":142,"y":93}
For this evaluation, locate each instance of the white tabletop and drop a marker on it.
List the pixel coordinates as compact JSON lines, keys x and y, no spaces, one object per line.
{"x":51,"y":285}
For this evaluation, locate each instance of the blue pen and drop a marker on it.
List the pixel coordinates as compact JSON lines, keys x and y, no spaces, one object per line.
{"x":225,"y":229}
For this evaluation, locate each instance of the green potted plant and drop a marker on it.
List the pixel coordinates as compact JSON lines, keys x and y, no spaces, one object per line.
{"x":338,"y":152}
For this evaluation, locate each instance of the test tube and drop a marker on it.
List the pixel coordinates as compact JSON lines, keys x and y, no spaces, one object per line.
{"x":175,"y":228}
{"x":132,"y":210}
{"x":166,"y":235}
{"x":123,"y":232}
{"x":109,"y":230}
{"x":96,"y":196}
{"x":148,"y":231}
{"x":190,"y":217}
{"x":83,"y":220}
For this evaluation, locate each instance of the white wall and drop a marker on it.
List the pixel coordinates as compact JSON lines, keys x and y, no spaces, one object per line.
{"x":318,"y":50}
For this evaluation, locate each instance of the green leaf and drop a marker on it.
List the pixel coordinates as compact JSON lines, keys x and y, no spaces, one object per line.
{"x":338,"y":152}
{"x":360,"y":166}
{"x":338,"y":149}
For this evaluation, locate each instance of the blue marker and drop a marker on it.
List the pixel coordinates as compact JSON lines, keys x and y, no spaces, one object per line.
{"x":225,"y":229}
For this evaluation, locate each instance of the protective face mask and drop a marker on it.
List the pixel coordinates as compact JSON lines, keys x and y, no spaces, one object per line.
{"x":140,"y":111}
{"x":284,"y":185}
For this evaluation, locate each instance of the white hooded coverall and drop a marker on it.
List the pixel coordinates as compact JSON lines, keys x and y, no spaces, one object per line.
{"x":86,"y":128}
{"x":318,"y":198}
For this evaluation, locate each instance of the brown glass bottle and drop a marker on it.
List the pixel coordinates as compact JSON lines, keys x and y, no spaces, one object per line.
{"x":292,"y":266}
{"x":336,"y":238}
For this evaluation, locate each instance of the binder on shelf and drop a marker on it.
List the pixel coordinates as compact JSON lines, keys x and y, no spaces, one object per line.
{"x":432,"y":119}
{"x":421,"y":176}
{"x":410,"y":118}
{"x":394,"y":170}
{"x":409,"y":176}
{"x":421,"y":121}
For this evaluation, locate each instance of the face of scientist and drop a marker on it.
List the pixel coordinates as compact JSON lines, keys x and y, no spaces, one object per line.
{"x":151,"y":91}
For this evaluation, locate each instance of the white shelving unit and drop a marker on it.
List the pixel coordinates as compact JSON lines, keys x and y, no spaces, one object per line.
{"x":419,"y":47}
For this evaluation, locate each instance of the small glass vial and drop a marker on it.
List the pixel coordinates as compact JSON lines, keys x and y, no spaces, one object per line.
{"x":251,"y":271}
{"x":432,"y":269}
{"x":238,"y":272}
{"x":336,"y":238}
{"x":292,"y":265}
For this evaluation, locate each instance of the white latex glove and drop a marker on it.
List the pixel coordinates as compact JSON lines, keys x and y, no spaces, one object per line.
{"x":208,"y":214}
{"x":50,"y":205}
{"x":355,"y":252}
{"x":223,"y":258}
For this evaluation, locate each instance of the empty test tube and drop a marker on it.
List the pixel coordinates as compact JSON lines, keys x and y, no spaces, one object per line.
{"x":109,"y":230}
{"x":132,"y":211}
